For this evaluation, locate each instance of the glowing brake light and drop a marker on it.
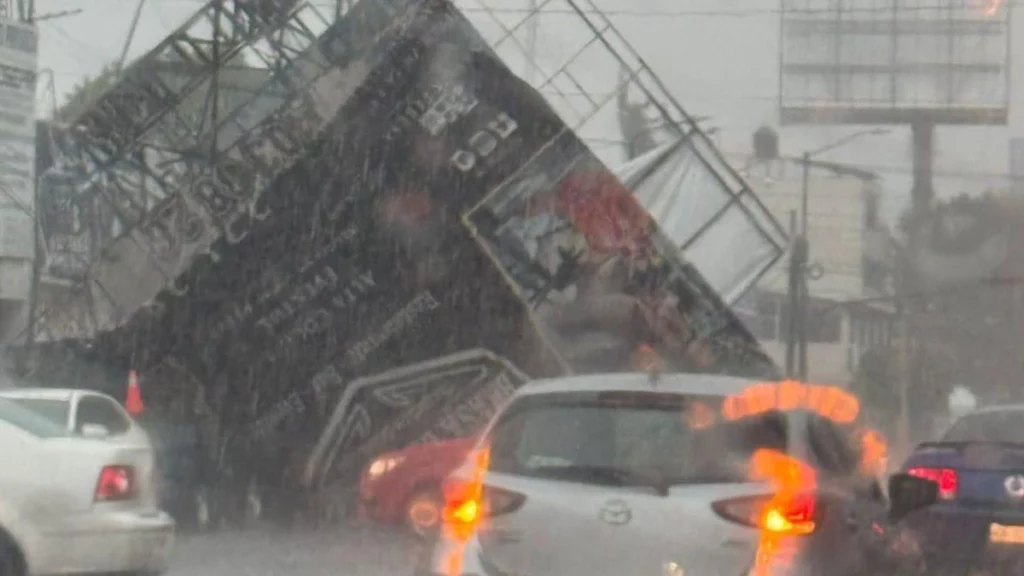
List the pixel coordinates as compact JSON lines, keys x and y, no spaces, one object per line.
{"x":115,"y":483}
{"x":947,"y":479}
{"x":796,"y":516}
{"x":468,"y":502}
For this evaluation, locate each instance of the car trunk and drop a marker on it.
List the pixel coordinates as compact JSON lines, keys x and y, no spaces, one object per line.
{"x":983,"y":525}
{"x":81,"y":461}
{"x":561,"y":527}
{"x":990,"y":476}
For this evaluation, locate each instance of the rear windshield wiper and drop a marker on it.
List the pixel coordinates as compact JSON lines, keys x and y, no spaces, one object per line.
{"x":609,"y":475}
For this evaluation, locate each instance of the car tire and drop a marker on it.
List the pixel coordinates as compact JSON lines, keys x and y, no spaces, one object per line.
{"x":11,"y":562}
{"x":423,"y":512}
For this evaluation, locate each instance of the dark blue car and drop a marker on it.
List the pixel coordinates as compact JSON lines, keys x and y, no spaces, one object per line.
{"x":977,"y":527}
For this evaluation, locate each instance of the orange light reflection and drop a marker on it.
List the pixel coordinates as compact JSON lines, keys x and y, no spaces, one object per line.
{"x":828,"y":401}
{"x":463,"y":510}
{"x":874,"y":452}
{"x":792,"y":479}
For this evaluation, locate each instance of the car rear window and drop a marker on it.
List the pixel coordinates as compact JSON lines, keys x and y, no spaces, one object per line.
{"x":581,"y":437}
{"x":55,"y":411}
{"x":988,"y":427}
{"x":28,"y":421}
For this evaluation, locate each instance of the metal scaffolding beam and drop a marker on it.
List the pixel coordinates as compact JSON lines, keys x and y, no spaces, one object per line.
{"x":147,"y":157}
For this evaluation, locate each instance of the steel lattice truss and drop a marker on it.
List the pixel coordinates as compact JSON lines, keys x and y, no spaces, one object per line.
{"x":140,"y":138}
{"x":169,"y":150}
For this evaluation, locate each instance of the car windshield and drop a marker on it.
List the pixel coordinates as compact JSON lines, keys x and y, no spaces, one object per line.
{"x":29,"y":421}
{"x":52,"y":409}
{"x":594,"y":439}
{"x":989,"y":427}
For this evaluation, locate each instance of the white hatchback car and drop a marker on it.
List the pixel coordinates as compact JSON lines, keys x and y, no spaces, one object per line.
{"x":621,"y":475}
{"x":78,"y":501}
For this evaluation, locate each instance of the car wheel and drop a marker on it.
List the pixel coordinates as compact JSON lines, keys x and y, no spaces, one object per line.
{"x":423,"y":512}
{"x":10,"y":558}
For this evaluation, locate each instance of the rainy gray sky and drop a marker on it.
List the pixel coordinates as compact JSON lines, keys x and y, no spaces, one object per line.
{"x":718,"y":58}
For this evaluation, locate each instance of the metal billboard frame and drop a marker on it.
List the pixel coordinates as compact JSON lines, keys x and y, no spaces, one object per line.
{"x":921,"y":22}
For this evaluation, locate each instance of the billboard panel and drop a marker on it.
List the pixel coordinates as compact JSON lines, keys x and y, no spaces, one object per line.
{"x":445,"y":208}
{"x":18,"y":60}
{"x":894,"y":61}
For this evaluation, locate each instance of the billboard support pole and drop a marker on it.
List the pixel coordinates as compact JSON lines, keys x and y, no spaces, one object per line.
{"x":922,"y":193}
{"x":803,"y":244}
{"x":904,"y":376}
{"x":794,"y":297}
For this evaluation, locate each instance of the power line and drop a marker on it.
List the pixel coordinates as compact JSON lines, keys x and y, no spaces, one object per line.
{"x":680,"y":13}
{"x":884,"y":10}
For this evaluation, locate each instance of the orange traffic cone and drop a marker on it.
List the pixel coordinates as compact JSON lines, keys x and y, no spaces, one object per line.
{"x":133,"y":400}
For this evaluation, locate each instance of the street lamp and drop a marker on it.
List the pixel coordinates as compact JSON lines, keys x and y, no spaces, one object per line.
{"x":796,"y":344}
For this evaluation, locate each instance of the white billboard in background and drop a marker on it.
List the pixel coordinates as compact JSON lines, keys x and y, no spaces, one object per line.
{"x":18,"y":61}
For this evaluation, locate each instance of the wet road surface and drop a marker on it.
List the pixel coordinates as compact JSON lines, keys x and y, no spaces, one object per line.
{"x":346,"y":551}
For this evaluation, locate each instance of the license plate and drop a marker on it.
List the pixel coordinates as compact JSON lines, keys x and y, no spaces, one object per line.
{"x":1006,"y":534}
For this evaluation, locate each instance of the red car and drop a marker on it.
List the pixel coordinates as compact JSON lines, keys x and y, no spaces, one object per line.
{"x":404,"y":487}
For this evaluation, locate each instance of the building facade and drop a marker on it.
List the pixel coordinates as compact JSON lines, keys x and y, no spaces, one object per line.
{"x":18,"y":62}
{"x":850,"y":255}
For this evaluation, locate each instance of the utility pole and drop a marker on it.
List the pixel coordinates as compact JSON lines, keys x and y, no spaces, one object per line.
{"x":803,"y":245}
{"x":905,"y":374}
{"x":799,"y":264}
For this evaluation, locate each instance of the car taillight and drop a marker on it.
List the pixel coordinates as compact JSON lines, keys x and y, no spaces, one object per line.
{"x":115,"y":483}
{"x":947,"y":479}
{"x":796,"y":516}
{"x":466,"y":504}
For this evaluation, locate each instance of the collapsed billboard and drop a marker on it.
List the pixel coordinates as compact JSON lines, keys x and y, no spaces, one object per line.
{"x":445,"y":209}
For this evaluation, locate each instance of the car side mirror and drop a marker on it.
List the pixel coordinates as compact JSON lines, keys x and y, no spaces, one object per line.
{"x":95,"y":431}
{"x":909,"y":493}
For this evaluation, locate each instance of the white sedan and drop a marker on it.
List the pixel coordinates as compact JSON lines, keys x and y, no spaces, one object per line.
{"x":78,"y":501}
{"x":82,"y":412}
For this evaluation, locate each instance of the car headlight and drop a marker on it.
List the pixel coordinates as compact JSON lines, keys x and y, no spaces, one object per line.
{"x":383,"y":465}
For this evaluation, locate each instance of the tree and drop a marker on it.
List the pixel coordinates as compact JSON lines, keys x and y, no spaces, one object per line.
{"x":970,"y":325}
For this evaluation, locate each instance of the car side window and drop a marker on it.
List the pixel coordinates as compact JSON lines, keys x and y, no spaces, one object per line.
{"x":96,"y":410}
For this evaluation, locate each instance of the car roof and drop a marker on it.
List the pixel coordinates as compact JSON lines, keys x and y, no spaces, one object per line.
{"x":682,"y":384}
{"x":63,"y":394}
